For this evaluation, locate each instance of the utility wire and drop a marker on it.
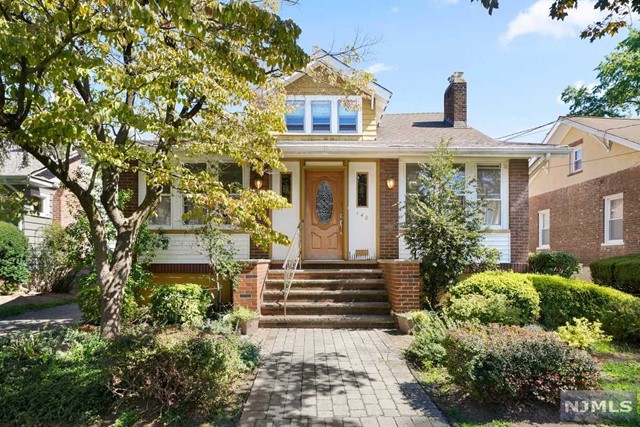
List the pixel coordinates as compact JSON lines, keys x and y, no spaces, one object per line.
{"x":524,"y":132}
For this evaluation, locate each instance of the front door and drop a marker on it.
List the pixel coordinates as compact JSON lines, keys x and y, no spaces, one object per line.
{"x":323,"y":214}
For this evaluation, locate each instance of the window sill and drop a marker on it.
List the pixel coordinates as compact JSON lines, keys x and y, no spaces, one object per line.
{"x":575,"y":172}
{"x":543,"y":248}
{"x":613,"y":243}
{"x":342,"y":133}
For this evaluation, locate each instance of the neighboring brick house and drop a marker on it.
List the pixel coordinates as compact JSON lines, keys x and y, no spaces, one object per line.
{"x":51,"y":202}
{"x":348,"y":171}
{"x":588,"y":202}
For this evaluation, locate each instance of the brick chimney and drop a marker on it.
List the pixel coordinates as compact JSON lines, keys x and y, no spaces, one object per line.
{"x":455,"y":101}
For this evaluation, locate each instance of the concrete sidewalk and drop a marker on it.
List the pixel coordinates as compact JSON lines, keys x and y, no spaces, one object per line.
{"x":62,"y":315}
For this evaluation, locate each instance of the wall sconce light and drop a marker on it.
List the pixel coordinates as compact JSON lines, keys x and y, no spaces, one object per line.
{"x":391,"y":183}
{"x":258,"y":183}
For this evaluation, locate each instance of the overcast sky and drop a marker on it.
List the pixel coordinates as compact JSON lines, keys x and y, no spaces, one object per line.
{"x":516,"y":62}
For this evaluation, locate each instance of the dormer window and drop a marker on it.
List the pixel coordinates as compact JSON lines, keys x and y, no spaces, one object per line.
{"x":321,"y":116}
{"x":347,"y":118}
{"x":332,"y":114}
{"x":295,"y":118}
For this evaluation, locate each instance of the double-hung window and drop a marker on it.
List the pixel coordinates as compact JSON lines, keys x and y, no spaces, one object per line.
{"x":347,"y":118}
{"x":192,"y":215}
{"x":613,"y":219}
{"x":544,"y":227}
{"x":231,"y":176}
{"x":295,"y":116}
{"x":490,"y":190}
{"x":576,"y":159}
{"x":162,"y":214}
{"x":321,"y":116}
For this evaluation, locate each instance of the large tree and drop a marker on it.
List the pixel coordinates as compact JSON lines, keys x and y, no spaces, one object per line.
{"x":617,"y":93}
{"x":618,"y":14}
{"x":134,"y":84}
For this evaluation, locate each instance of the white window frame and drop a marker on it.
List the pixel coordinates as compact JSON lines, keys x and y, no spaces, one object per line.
{"x":334,"y":99}
{"x":304,"y":118}
{"x":541,"y":215}
{"x":577,"y":149}
{"x":177,"y":199}
{"x":471,"y":172}
{"x":607,"y":219}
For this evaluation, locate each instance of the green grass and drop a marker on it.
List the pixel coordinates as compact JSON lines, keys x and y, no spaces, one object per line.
{"x":16,"y":310}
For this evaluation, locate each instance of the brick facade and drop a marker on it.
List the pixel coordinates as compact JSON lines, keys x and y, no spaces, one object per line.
{"x":388,"y":210}
{"x":518,"y":208}
{"x":402,"y":280}
{"x":129,"y":181}
{"x":248,"y":294}
{"x":255,"y":251}
{"x":65,"y":203}
{"x":577,"y":216}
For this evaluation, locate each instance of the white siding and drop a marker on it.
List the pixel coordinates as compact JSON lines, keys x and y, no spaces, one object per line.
{"x":184,"y":249}
{"x":500,"y":241}
{"x":362,"y":220}
{"x":286,"y":220}
{"x":33,"y":228}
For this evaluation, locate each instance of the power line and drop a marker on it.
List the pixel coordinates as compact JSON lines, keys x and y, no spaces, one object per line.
{"x":524,"y":132}
{"x":594,"y":160}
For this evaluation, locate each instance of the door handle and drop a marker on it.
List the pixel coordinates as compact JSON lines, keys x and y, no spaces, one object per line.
{"x":341,"y":222}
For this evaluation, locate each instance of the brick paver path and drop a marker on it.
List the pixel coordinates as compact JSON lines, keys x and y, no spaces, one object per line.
{"x":336,"y":377}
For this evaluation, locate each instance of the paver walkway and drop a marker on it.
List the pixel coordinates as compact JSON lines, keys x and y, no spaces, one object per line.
{"x":62,"y":315}
{"x":336,"y":377}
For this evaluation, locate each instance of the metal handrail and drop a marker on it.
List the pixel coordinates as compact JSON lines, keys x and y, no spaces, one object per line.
{"x":291,"y":262}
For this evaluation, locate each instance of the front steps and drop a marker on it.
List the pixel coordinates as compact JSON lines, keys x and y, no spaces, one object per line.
{"x":328,"y":296}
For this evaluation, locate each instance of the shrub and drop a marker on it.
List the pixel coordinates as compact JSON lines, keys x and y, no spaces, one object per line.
{"x":582,"y":334}
{"x":621,"y":272}
{"x":499,"y":297}
{"x":88,"y":300}
{"x":504,"y":363}
{"x":180,"y":304}
{"x":239,"y":315}
{"x":14,"y":258}
{"x":429,"y":333}
{"x":555,"y":263}
{"x":182,"y":369}
{"x":562,"y":299}
{"x":53,"y":377}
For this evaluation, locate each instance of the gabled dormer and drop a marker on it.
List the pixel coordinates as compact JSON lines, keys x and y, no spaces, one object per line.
{"x":322,"y":107}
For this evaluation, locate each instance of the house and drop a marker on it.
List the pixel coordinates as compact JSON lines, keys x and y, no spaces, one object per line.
{"x":348,"y":170}
{"x":51,"y":203}
{"x":587,"y":202}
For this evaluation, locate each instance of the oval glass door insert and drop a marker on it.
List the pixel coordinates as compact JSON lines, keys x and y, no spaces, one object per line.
{"x":324,"y":202}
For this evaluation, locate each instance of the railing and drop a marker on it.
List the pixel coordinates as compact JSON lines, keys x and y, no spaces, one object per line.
{"x":291,"y":263}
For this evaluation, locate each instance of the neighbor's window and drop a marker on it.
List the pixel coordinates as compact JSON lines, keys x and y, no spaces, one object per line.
{"x":286,"y":185}
{"x":162,"y":215}
{"x":321,"y":116}
{"x":544,"y":227}
{"x":613,"y":214}
{"x":489,"y":189}
{"x":362,"y":184}
{"x":576,"y":160}
{"x":295,"y":117}
{"x":347,"y":118}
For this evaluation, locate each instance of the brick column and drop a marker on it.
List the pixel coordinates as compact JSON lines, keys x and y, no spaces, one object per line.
{"x":255,"y":251}
{"x":402,"y":280}
{"x":388,"y":210}
{"x":248,"y":294}
{"x":519,"y":209}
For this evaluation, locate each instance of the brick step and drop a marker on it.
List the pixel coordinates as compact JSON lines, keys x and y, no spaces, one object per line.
{"x":327,"y":284}
{"x":347,"y":295}
{"x":323,"y":321}
{"x":326,"y":308}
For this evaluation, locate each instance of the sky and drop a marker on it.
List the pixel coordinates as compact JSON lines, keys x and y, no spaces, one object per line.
{"x":516,"y":62}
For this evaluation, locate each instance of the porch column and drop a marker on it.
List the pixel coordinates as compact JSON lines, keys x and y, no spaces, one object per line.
{"x":248,"y":294}
{"x":389,"y":248}
{"x":402,"y":280}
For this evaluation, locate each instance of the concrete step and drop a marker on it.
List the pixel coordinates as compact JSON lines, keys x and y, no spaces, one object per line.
{"x":325,"y":321}
{"x":346,"y":295}
{"x":346,"y":273}
{"x":327,"y":284}
{"x":326,"y":308}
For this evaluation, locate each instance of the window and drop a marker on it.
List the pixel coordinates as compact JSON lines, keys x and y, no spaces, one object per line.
{"x":362,"y":184}
{"x":489,"y":190}
{"x":613,"y":214}
{"x":544,"y":227}
{"x":162,"y":215}
{"x":286,"y":185}
{"x":347,"y":118}
{"x":321,"y":116}
{"x":295,"y":117}
{"x":576,"y":160}
{"x":412,"y":177}
{"x":192,"y":215}
{"x":231,"y":177}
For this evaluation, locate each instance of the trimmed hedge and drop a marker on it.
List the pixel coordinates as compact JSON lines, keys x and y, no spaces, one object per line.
{"x":622,"y":272}
{"x":14,"y":258}
{"x":562,"y":300}
{"x":495,"y":297}
{"x":505,"y":363}
{"x":180,"y":304}
{"x":555,"y":263}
